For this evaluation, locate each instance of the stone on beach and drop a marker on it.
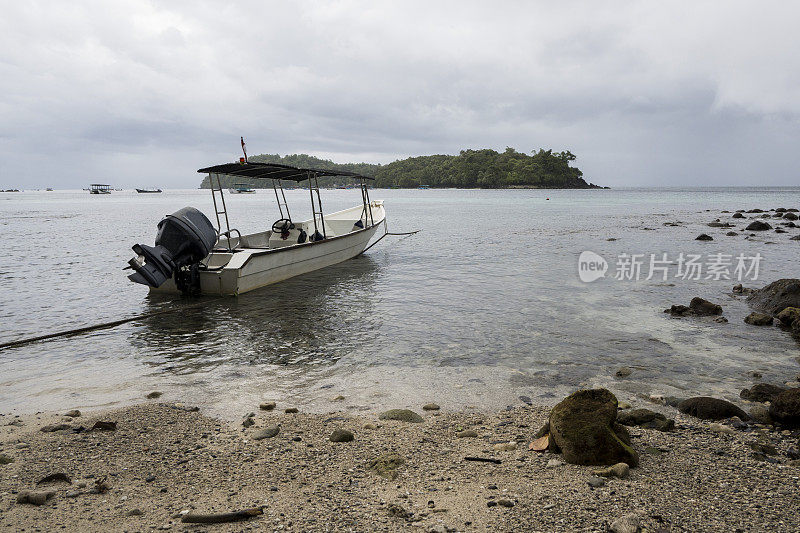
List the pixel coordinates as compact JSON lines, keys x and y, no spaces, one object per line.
{"x":620,"y":470}
{"x":341,"y":435}
{"x":467,"y":434}
{"x":704,"y":237}
{"x":266,"y":406}
{"x":266,"y":433}
{"x":430,"y":407}
{"x":34,"y":497}
{"x":583,"y":427}
{"x":761,"y":392}
{"x":386,"y":465}
{"x":760,"y":414}
{"x":626,"y":524}
{"x":153,"y":395}
{"x":403,"y":415}
{"x":708,"y":408}
{"x":74,"y":413}
{"x":646,"y":418}
{"x":785,"y":408}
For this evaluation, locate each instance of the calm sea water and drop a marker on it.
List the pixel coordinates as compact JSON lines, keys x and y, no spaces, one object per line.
{"x":484,"y":305}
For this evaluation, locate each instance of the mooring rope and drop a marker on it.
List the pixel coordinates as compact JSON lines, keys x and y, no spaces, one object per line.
{"x":115,"y":323}
{"x":103,"y":325}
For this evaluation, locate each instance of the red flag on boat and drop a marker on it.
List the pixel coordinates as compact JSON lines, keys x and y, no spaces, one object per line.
{"x":244,"y":150}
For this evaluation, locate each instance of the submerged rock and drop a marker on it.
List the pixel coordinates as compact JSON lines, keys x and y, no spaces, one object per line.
{"x":758,"y":225}
{"x":709,"y":408}
{"x":697,"y":307}
{"x":776,"y":296}
{"x":704,"y":237}
{"x":583,"y":426}
{"x":623,"y":372}
{"x":785,"y":408}
{"x":403,"y":415}
{"x":758,"y":319}
{"x":737,"y":215}
{"x":703,"y":307}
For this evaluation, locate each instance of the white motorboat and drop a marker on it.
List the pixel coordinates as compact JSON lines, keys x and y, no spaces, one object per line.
{"x":241,"y":188}
{"x":99,"y":188}
{"x":191,"y":256}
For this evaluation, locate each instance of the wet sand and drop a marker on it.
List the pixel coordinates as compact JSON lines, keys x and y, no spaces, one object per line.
{"x":166,"y":459}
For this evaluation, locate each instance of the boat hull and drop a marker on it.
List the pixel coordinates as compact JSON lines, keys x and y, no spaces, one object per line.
{"x":250,"y":269}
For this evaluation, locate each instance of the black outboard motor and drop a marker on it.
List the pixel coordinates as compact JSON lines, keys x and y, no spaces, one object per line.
{"x":184,"y":238}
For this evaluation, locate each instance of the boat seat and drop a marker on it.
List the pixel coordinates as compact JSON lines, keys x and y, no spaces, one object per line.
{"x":256,"y":240}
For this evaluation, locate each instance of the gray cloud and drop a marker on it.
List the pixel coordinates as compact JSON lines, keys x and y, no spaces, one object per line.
{"x":678,"y":93}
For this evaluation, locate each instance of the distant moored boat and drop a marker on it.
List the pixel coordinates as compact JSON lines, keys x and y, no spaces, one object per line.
{"x":99,"y":188}
{"x":142,"y":191}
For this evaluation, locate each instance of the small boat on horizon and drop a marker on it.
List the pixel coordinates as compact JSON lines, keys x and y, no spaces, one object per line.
{"x":193,"y":257}
{"x":148,"y":191}
{"x":241,"y":188}
{"x":99,"y":188}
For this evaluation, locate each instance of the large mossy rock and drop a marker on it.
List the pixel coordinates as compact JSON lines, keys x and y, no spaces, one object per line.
{"x":785,"y":408}
{"x":776,"y":296}
{"x":709,"y":408}
{"x":583,"y":426}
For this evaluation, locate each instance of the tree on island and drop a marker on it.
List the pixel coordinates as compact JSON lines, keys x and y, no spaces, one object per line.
{"x":485,"y":169}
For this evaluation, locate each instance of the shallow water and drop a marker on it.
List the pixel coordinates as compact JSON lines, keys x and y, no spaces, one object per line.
{"x":484,"y":305}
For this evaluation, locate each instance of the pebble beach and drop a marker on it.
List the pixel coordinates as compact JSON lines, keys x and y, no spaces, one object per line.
{"x":164,"y":462}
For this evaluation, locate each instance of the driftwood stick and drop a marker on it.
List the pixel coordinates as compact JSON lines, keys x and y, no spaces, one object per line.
{"x":483,"y":460}
{"x":219,"y":518}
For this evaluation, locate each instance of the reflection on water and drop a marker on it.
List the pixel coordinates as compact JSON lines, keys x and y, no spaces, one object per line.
{"x":310,"y":320}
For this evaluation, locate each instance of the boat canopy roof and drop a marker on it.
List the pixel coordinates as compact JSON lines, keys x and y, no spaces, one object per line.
{"x":275,"y":171}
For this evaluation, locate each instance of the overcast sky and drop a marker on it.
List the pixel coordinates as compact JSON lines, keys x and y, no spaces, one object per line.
{"x":143,"y":93}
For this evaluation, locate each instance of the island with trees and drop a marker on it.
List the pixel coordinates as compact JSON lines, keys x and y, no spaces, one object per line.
{"x":470,"y":169}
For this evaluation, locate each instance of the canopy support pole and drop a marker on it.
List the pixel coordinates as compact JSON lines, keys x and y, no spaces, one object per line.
{"x":314,"y":186}
{"x":283,"y":204}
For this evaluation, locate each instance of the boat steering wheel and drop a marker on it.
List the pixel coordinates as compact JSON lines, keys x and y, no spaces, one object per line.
{"x":282,"y":225}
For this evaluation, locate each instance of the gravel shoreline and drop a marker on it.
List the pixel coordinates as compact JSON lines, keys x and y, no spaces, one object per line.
{"x":167,"y":458}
